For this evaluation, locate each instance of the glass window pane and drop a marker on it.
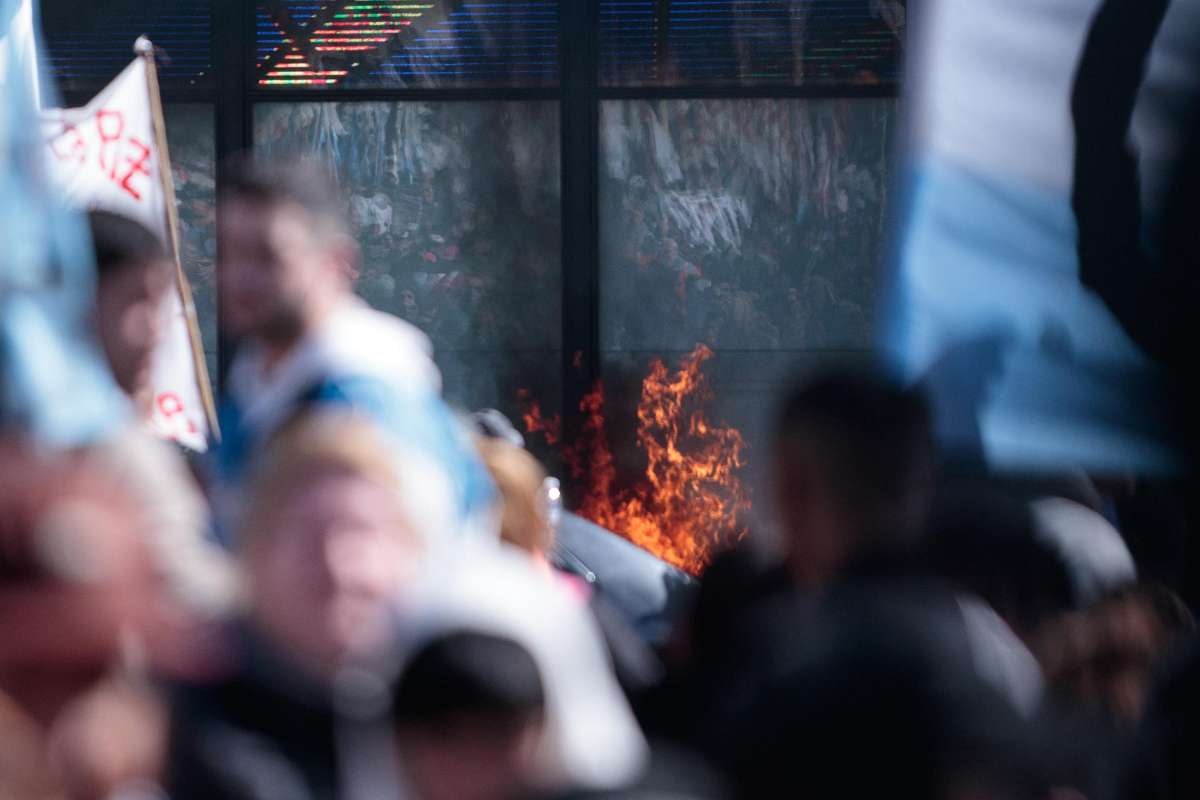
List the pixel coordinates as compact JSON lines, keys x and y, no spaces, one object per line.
{"x":751,"y":228}
{"x":751,"y":224}
{"x":457,"y":208}
{"x":191,"y":139}
{"x":789,"y":42}
{"x":401,"y":43}
{"x":87,"y":44}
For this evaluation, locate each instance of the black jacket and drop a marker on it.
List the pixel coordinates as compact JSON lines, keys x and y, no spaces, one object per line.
{"x":261,"y":732}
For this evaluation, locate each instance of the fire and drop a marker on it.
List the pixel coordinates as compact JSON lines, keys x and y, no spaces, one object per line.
{"x":687,"y":504}
{"x":549,"y":427}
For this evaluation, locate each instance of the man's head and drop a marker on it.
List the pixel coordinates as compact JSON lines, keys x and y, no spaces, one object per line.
{"x":854,"y":465}
{"x":285,"y":257}
{"x":134,"y":276}
{"x":328,"y":541}
{"x":468,"y":715}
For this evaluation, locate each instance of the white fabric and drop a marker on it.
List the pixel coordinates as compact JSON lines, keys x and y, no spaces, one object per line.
{"x":990,"y":87}
{"x":1027,"y":367}
{"x":1000,"y":657}
{"x":1096,"y":555}
{"x":104,"y":156}
{"x":591,"y":739}
{"x":355,"y":340}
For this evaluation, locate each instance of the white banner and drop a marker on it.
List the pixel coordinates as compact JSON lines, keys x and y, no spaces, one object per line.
{"x":103,"y":156}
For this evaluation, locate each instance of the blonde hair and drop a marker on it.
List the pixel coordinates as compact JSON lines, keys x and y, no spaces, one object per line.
{"x":519,"y":478}
{"x":311,"y":444}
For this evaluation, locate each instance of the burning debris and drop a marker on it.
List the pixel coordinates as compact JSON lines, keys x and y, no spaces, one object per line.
{"x":686,"y":506}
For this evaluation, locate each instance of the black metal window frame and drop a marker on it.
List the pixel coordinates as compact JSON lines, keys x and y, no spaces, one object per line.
{"x":579,"y":94}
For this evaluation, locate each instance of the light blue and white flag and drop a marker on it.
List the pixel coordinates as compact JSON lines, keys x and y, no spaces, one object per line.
{"x":1028,"y":367}
{"x":54,"y":382}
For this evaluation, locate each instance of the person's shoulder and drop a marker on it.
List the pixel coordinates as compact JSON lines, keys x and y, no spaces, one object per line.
{"x":229,"y":739}
{"x":361,"y":341}
{"x":390,"y":404}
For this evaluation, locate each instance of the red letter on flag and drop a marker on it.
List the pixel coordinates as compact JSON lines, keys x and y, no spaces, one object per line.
{"x":138,"y":165}
{"x":110,"y":125}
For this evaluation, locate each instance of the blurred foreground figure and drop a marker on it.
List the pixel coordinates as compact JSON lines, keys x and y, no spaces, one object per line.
{"x":54,"y":386}
{"x":852,"y":479}
{"x":1103,"y":658}
{"x":328,"y":540}
{"x":1040,"y":282}
{"x":1166,"y":767}
{"x":303,"y":340}
{"x":850,"y":629}
{"x":854,"y":471}
{"x":134,"y":277}
{"x":77,"y":597}
{"x":861,"y":713}
{"x":526,"y":523}
{"x":520,"y":481}
{"x":502,"y":690}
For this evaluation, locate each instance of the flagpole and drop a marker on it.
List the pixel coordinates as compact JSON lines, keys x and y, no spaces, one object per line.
{"x":144,"y":48}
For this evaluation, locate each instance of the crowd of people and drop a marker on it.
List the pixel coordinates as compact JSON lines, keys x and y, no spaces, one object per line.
{"x":359,"y":595}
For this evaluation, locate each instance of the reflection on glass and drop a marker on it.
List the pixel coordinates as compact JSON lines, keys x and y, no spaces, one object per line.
{"x":88,"y":44}
{"x":301,"y":43}
{"x":456,"y":207}
{"x":742,"y":224}
{"x":190,"y":138}
{"x":799,"y":42}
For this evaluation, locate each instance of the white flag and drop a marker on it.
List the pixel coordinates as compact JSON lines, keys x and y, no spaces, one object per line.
{"x":104,"y":156}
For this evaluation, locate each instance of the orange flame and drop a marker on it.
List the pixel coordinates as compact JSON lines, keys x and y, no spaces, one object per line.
{"x":549,"y":427}
{"x":687,"y":506}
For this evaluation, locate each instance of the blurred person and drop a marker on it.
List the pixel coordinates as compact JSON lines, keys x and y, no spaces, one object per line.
{"x":852,"y":477}
{"x":854,"y":468}
{"x":854,"y":465}
{"x":1164,"y":766}
{"x":78,"y":597}
{"x":521,"y":483}
{"x":134,"y":277}
{"x":855,"y":712}
{"x":1037,"y":569}
{"x":527,"y":503}
{"x":304,"y":340}
{"x":1103,"y":658}
{"x":468,"y":714}
{"x":1098,"y":560}
{"x":986,"y":543}
{"x":1137,"y":174}
{"x":1100,"y":663}
{"x":852,"y":471}
{"x":329,"y":537}
{"x":1008,"y":583}
{"x":501,"y":688}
